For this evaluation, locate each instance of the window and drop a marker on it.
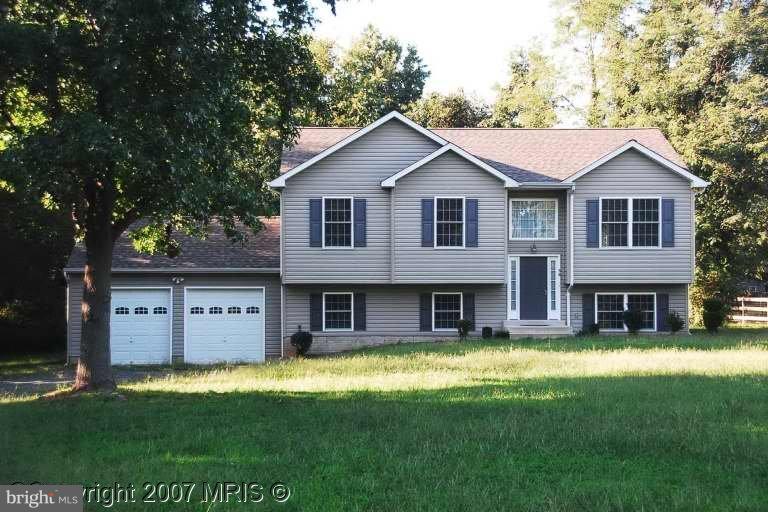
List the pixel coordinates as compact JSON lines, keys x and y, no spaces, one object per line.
{"x":626,"y":222}
{"x":251,"y":310}
{"x":512,"y":285}
{"x":234,"y":310}
{"x":122,"y":310}
{"x":337,"y":222}
{"x":610,"y":309}
{"x":446,"y":311}
{"x":553,"y":284}
{"x":140,"y":310}
{"x":449,"y":222}
{"x":533,"y":219}
{"x":160,"y":310}
{"x":337,"y":311}
{"x":196,"y":310}
{"x":215,"y":310}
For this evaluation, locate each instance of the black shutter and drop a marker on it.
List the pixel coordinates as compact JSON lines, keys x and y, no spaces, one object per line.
{"x":427,"y":223}
{"x":587,"y":310}
{"x":315,"y":223}
{"x":472,"y":226}
{"x":425,"y":312}
{"x":667,"y":222}
{"x":593,"y":222}
{"x":360,"y":312}
{"x":469,"y":308}
{"x":360,"y":220}
{"x":662,"y":309}
{"x":315,"y":311}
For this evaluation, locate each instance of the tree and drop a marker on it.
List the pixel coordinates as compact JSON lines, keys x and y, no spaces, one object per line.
{"x":529,"y":100}
{"x":174,"y":112}
{"x":699,"y":71}
{"x":374,"y":77}
{"x":453,"y":110}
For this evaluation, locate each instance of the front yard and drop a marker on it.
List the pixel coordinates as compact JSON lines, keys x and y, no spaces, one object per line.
{"x":665,"y":423}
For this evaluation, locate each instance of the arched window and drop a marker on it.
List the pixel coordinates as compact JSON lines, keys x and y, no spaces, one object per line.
{"x":234,"y":310}
{"x":251,"y":310}
{"x":215,"y":310}
{"x":140,"y":310}
{"x":197,"y":310}
{"x":122,"y":310}
{"x":160,"y":310}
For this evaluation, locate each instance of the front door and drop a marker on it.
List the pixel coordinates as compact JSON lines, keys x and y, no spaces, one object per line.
{"x":533,"y":288}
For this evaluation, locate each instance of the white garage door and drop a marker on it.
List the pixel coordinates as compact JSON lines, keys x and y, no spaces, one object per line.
{"x":224,"y":324}
{"x":140,"y":326}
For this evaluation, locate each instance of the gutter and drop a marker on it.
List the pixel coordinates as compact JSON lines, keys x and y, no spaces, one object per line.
{"x":175,"y":270}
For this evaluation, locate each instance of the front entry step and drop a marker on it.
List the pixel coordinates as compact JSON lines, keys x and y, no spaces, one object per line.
{"x":537,"y":329}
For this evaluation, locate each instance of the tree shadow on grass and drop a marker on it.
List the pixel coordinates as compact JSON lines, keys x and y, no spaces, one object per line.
{"x":677,"y":442}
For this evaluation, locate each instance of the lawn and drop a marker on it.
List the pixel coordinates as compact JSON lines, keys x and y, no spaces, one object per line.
{"x":636,"y":423}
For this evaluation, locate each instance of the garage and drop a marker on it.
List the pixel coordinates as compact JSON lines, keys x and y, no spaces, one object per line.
{"x":140,"y":326}
{"x":224,"y":325}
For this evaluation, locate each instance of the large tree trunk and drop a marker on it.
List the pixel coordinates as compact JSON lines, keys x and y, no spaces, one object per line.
{"x":94,"y":370}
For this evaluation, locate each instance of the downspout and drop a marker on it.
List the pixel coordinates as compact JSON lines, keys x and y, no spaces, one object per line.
{"x":66,"y":316}
{"x":282,"y":288}
{"x":392,"y":252}
{"x":570,"y":258}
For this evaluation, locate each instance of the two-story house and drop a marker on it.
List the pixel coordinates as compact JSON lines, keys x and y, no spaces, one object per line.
{"x":394,"y":232}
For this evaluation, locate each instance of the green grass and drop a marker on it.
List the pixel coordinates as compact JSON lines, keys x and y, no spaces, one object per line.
{"x":636,"y":423}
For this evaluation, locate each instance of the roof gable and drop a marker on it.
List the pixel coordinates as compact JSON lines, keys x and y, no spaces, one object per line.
{"x":696,"y":182}
{"x":280,"y":181}
{"x":392,"y":180}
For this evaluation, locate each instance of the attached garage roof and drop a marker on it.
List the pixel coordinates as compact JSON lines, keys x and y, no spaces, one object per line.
{"x":525,"y":155}
{"x":260,"y":252}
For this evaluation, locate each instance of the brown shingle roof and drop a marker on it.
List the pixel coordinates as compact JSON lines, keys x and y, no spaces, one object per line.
{"x":523,"y":154}
{"x":260,"y":251}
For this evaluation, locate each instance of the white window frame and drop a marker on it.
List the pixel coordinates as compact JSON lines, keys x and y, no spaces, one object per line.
{"x":461,"y":310}
{"x":549,"y":199}
{"x":351,"y":311}
{"x":630,"y":222}
{"x":552,"y":314}
{"x":463,"y":222}
{"x":351,"y":225}
{"x":626,"y":305}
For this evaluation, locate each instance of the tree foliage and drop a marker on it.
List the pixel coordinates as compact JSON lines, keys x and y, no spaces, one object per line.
{"x":173,"y":111}
{"x":529,"y":99}
{"x":452,"y":110}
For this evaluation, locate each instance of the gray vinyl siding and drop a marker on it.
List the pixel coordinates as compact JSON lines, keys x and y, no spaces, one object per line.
{"x":546,"y":247}
{"x":355,"y":170}
{"x":392,"y":310}
{"x":449,"y":175}
{"x":678,"y":297}
{"x":633,"y":174}
{"x":271,"y":298}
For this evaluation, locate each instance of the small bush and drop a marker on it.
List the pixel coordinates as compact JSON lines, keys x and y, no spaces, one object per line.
{"x":501,"y":333}
{"x":633,"y":319}
{"x":674,"y":322}
{"x":589,"y":330}
{"x":714,"y":314}
{"x":302,"y":341}
{"x":463,"y":327}
{"x":487,"y":332}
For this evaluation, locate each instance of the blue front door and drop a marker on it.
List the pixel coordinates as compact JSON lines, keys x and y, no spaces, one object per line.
{"x":533,"y":287}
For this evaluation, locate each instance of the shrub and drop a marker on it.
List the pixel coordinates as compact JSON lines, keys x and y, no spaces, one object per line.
{"x":302,"y":341}
{"x":487,"y":332}
{"x":589,"y":330}
{"x":714,"y":314}
{"x":674,"y":322}
{"x":501,"y":333}
{"x":463,"y":326}
{"x":633,"y":319}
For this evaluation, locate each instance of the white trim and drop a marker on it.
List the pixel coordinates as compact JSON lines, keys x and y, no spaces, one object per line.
{"x":630,"y":222}
{"x":626,"y":306}
{"x":351,"y":223}
{"x":263,"y":316}
{"x":571,"y":277}
{"x":170,"y":314}
{"x":279,"y":182}
{"x":557,"y":213}
{"x":696,"y":182}
{"x":392,"y":180}
{"x":463,"y":223}
{"x":551,"y":314}
{"x":351,"y":311}
{"x":513,"y":314}
{"x":282,"y":322}
{"x":68,"y":323}
{"x":461,"y":309}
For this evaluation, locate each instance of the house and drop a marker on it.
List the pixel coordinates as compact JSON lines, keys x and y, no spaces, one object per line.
{"x":394,"y":232}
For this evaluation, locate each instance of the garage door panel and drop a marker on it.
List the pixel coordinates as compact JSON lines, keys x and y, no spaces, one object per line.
{"x":234,"y":334}
{"x":140,"y":326}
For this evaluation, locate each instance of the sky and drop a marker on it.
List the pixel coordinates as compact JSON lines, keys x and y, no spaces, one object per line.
{"x":464,"y":44}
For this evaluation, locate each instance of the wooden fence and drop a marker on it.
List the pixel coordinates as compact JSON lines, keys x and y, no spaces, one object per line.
{"x":749,"y":309}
